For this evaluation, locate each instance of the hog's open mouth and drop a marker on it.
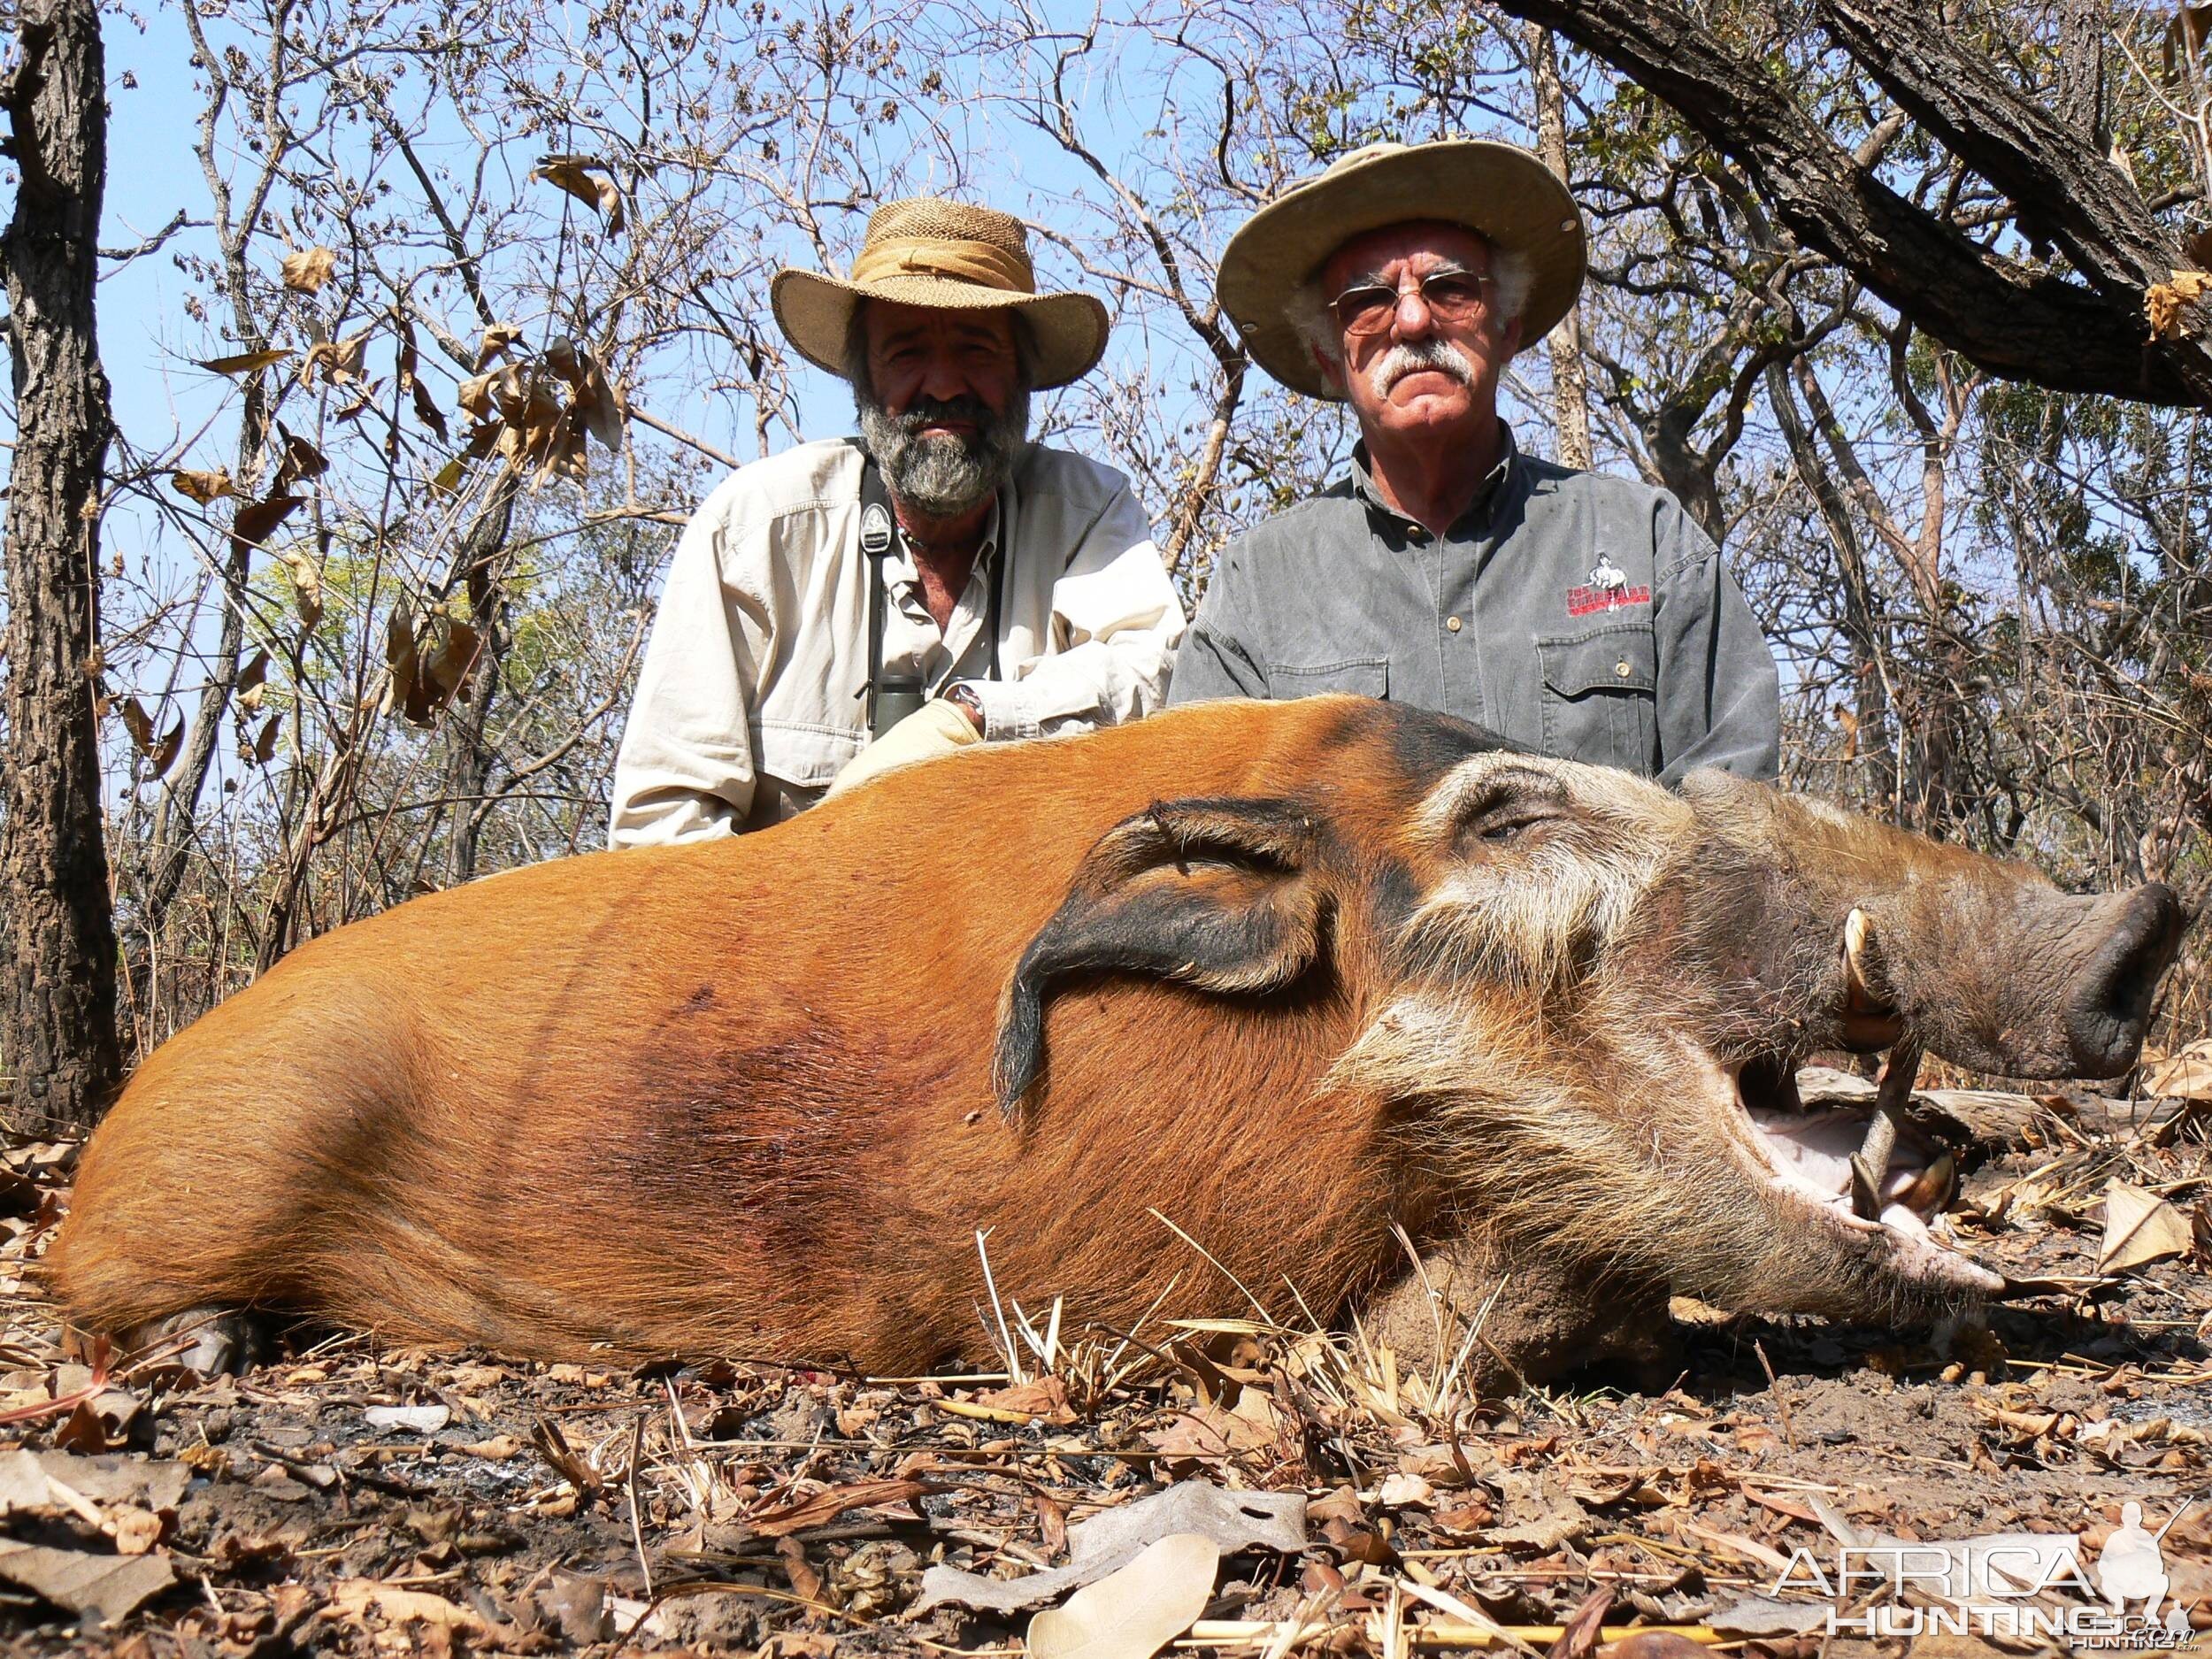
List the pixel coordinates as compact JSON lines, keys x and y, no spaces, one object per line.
{"x":1896,"y":1195}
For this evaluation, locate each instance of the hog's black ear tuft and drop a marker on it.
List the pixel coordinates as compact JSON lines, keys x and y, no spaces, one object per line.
{"x":1222,"y":895}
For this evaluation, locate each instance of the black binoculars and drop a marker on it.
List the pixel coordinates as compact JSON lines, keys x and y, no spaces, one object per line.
{"x":896,"y":696}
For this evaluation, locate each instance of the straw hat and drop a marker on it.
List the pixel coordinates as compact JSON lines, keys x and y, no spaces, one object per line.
{"x":1501,"y":191}
{"x":927,"y":251}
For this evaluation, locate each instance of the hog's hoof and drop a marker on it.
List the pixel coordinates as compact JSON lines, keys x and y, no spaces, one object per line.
{"x":1546,"y":1318}
{"x":213,"y":1341}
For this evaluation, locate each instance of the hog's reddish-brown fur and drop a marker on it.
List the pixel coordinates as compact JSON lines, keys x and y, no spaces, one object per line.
{"x":738,"y":1096}
{"x":1306,"y":969}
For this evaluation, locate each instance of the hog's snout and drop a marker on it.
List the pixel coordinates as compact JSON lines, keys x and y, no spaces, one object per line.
{"x":2110,"y":1002}
{"x":2039,"y":984}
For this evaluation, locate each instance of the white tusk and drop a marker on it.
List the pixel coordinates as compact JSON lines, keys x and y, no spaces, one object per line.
{"x":1858,"y":934}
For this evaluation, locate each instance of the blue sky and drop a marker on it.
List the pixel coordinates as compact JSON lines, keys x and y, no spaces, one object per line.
{"x":147,"y":340}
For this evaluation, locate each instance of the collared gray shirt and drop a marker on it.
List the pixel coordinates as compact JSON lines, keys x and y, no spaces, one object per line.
{"x":1573,"y":613}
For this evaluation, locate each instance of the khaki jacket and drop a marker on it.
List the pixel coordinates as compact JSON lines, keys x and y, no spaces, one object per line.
{"x":750,"y":698}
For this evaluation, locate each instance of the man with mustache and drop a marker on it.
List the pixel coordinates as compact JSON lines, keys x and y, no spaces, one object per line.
{"x":854,"y":604}
{"x":1578,"y":615}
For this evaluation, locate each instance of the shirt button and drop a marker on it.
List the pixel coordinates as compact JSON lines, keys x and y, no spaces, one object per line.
{"x":1452,"y":623}
{"x":1623,"y":669}
{"x":1415,"y":532}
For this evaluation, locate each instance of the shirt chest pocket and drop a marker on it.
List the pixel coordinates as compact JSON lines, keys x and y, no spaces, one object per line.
{"x":1362,"y":676}
{"x":805,"y":756}
{"x":1601,"y":697}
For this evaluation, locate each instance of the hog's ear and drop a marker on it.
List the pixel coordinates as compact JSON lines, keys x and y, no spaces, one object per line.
{"x":1221,"y":894}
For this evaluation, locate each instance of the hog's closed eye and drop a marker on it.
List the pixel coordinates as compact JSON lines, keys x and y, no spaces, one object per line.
{"x":1509,"y":807}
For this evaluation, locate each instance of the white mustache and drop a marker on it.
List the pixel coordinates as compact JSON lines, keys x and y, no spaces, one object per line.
{"x":1403,"y":359}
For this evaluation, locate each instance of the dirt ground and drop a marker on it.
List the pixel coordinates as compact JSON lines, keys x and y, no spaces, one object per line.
{"x":353,"y":1499}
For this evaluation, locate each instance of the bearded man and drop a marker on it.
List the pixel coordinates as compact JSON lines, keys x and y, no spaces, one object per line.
{"x":1576,"y":615}
{"x":854,"y":604}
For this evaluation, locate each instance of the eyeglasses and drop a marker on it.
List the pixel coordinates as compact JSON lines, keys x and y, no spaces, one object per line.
{"x":1452,"y":296}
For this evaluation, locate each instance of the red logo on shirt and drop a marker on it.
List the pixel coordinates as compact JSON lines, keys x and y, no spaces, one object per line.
{"x":1584,"y":602}
{"x":1608,"y":589}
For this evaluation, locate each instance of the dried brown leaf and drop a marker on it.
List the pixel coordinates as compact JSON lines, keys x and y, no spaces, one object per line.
{"x":497,"y":339}
{"x":258,"y":520}
{"x":355,"y":1599}
{"x":1052,"y":1523}
{"x":426,"y":410}
{"x":597,"y":406}
{"x":245,"y":362}
{"x":307,"y":587}
{"x":301,"y":460}
{"x":1046,"y":1398}
{"x":264,"y":745}
{"x":583,"y":180}
{"x":475,"y":394}
{"x":306,"y":271}
{"x":2140,"y":1227}
{"x":1213,"y":1433}
{"x":400,"y":658}
{"x":164,"y":752}
{"x":2187,"y":1075}
{"x":204,"y":487}
{"x":136,"y":723}
{"x":2166,"y":303}
{"x":1583,"y":1627}
{"x":815,"y":1510}
{"x":561,"y":357}
{"x":409,"y":359}
{"x":254,"y":673}
{"x":806,"y":1583}
{"x":1134,"y":1612}
{"x":447,"y":668}
{"x":339,"y":361}
{"x":109,"y":1587}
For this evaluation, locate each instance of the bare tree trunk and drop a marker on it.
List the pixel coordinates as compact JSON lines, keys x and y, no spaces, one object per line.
{"x":480,"y":567}
{"x":60,"y":1011}
{"x":1569,"y":378}
{"x":173,"y":824}
{"x":2019,"y":321}
{"x":2079,"y":102}
{"x":236,"y":217}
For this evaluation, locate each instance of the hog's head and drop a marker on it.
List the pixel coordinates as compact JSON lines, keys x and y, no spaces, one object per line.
{"x":1607,"y":988}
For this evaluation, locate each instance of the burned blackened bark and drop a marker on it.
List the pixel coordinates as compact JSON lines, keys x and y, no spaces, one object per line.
{"x":60,"y":1010}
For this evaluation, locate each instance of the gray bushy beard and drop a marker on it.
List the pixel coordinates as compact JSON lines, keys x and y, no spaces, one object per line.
{"x":942,"y":474}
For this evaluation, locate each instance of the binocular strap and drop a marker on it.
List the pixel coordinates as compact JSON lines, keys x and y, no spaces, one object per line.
{"x":878,"y":534}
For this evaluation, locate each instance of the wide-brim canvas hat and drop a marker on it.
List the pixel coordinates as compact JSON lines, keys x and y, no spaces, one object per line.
{"x":1504,"y":193}
{"x":953,"y":256}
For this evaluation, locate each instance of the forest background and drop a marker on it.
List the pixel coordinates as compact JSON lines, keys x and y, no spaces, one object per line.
{"x":427,"y":326}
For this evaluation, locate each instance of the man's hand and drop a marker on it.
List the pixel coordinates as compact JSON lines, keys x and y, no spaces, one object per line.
{"x":964,"y":699}
{"x":937,"y":728}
